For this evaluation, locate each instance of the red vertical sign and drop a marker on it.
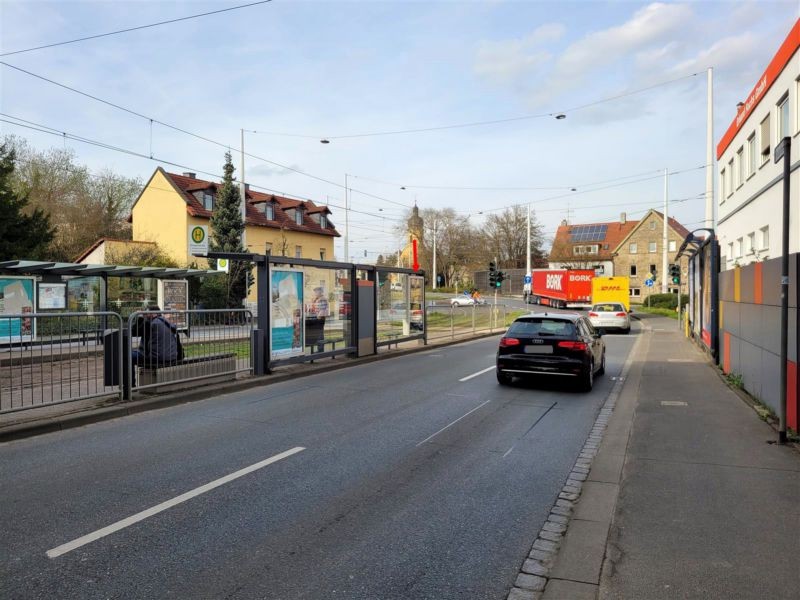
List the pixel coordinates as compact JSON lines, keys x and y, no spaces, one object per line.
{"x":414,"y":249}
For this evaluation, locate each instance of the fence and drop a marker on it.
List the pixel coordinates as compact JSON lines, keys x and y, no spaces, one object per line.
{"x":211,"y":344}
{"x":48,"y":358}
{"x":454,"y":321}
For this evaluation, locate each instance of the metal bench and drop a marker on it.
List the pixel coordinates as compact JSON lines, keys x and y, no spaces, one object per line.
{"x":220,"y":367}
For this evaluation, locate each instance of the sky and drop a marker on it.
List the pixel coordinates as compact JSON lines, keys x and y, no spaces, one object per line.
{"x":630,"y":78}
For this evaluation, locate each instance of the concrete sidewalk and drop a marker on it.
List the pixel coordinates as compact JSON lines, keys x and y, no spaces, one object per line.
{"x":686,"y":497}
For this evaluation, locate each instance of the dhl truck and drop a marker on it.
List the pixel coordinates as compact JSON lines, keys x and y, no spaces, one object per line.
{"x":561,"y":288}
{"x":612,"y":289}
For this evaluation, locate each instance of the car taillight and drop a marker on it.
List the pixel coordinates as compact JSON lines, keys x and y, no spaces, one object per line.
{"x":506,"y":342}
{"x":620,"y":314}
{"x":593,"y":314}
{"x":572,"y":345}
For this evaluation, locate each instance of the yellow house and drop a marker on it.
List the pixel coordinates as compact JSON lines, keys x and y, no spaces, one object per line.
{"x":171,"y":204}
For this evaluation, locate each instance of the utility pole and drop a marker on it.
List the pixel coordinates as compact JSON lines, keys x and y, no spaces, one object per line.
{"x":435,"y":275}
{"x":710,"y":221}
{"x":784,"y":151}
{"x":528,"y":253}
{"x":347,"y":221}
{"x":665,"y":236}
{"x":242,"y":190}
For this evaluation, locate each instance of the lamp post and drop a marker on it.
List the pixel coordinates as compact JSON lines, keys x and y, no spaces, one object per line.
{"x":435,"y":274}
{"x":346,"y":219}
{"x":242,"y":190}
{"x":665,"y":236}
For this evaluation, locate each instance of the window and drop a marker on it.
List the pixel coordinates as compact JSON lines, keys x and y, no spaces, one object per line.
{"x":208,"y":201}
{"x":632,"y":248}
{"x":298,"y":216}
{"x":764,"y":133}
{"x":674,"y":290}
{"x":750,"y":243}
{"x":730,"y":251}
{"x":784,"y":125}
{"x":593,"y":249}
{"x":739,"y":248}
{"x":268,"y":247}
{"x":323,"y":221}
{"x":653,"y":271}
{"x":751,"y":154}
{"x":635,"y":292}
{"x":652,"y":225}
{"x":298,"y":252}
{"x":651,"y":247}
{"x":739,"y":167}
{"x":765,"y":237}
{"x":673,"y":245}
{"x":322,"y":253}
{"x":269,"y":211}
{"x":723,"y":183}
{"x":633,"y":270}
{"x":730,"y":178}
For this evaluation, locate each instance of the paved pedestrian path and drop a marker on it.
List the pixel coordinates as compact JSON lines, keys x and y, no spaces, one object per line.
{"x":687,"y":497}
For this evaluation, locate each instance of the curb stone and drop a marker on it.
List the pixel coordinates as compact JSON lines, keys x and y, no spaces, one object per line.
{"x":536,"y":566}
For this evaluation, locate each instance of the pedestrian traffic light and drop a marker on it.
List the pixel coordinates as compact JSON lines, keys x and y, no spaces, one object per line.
{"x":492,"y":275}
{"x":675,"y":274}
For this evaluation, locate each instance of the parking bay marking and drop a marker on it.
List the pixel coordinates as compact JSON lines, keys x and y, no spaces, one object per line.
{"x":468,"y":377}
{"x":141,"y":516}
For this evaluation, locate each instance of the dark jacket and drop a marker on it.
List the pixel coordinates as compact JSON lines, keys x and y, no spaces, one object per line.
{"x":159,"y":340}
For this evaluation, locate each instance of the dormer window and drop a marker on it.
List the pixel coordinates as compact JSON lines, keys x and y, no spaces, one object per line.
{"x":323,"y":221}
{"x":269,"y":211}
{"x":298,"y":215}
{"x":208,"y":200}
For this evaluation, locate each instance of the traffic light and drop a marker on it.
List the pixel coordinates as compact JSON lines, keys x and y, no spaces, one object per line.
{"x":675,"y":274}
{"x":499,"y":279}
{"x":492,"y":275}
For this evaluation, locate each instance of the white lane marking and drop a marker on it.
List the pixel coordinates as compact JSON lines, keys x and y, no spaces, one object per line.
{"x":673,"y":403}
{"x":453,"y":423}
{"x":141,"y":516}
{"x":508,"y":452}
{"x":680,"y":360}
{"x":468,"y":377}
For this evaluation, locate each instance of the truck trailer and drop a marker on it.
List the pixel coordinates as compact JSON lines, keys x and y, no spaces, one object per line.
{"x":561,"y":288}
{"x":612,"y":289}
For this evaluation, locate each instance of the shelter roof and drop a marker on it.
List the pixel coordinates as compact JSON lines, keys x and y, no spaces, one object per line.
{"x":35,"y":267}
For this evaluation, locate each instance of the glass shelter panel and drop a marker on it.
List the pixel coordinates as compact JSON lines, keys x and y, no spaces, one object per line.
{"x":327,"y":309}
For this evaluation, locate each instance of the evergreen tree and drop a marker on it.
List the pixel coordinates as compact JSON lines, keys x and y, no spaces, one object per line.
{"x":227,"y":228}
{"x":21,"y":235}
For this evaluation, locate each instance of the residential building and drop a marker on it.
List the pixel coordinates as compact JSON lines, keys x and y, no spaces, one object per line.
{"x":750,"y":192}
{"x":588,"y":245}
{"x":106,"y":251}
{"x":639,"y":255}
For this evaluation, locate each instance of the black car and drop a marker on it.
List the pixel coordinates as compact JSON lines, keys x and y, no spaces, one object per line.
{"x":562,"y":345}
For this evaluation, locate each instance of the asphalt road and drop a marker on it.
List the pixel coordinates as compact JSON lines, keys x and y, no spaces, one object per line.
{"x":410,"y":484}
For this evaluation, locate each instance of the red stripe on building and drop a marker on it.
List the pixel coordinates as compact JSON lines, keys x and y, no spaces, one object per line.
{"x":726,"y":352}
{"x":758,"y":280}
{"x":776,"y":65}
{"x":791,"y":394}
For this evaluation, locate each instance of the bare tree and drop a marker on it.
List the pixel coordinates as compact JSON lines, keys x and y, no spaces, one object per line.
{"x":505,"y":236}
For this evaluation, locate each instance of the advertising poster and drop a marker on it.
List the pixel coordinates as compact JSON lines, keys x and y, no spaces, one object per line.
{"x":16,"y":297}
{"x":286,"y":316}
{"x":174,"y":295}
{"x":705,"y":283}
{"x":52,"y":296}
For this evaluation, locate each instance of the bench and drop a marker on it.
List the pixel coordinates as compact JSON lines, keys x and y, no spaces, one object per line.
{"x":88,"y":333}
{"x":392,"y":339}
{"x":323,"y":342}
{"x":211,"y":367}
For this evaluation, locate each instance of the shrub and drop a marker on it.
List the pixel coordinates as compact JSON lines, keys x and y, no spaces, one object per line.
{"x":666,"y":301}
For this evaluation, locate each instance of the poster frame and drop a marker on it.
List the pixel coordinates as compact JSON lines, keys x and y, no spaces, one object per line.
{"x":276,"y":274}
{"x":179,"y":319}
{"x":9,"y":339}
{"x":58,"y":284}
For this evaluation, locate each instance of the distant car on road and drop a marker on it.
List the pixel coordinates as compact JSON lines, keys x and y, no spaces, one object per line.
{"x":565,"y":346}
{"x":610,"y":315}
{"x":465,"y":301}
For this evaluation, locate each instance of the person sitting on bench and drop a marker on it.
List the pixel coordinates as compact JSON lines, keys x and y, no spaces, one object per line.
{"x":160,"y":345}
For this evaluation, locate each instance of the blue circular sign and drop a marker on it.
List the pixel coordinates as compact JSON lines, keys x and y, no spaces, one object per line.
{"x":527,"y":279}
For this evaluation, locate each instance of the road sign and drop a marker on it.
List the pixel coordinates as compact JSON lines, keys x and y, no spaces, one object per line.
{"x":223,"y":264}
{"x":648,"y":282}
{"x":527,"y":279}
{"x":198,"y":239}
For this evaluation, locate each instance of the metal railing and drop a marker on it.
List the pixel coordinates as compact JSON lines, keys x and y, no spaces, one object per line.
{"x":51,"y":358}
{"x":455,"y":321}
{"x":176,"y":346}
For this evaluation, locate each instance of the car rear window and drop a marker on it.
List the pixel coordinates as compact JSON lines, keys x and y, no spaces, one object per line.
{"x":537,"y":327}
{"x":609,"y":307}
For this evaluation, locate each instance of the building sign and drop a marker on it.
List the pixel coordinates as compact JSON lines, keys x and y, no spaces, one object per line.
{"x":174,"y":295}
{"x":52,"y":296}
{"x":286,"y":313}
{"x":198,"y":239}
{"x":16,"y":298}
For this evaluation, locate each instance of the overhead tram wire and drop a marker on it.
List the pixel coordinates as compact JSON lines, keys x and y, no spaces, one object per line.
{"x":152,"y":120}
{"x":137,"y":28}
{"x":489,"y":122}
{"x":59,"y":133}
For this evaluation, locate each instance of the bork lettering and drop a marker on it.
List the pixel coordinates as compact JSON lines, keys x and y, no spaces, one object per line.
{"x":554,"y":282}
{"x":580,"y":278}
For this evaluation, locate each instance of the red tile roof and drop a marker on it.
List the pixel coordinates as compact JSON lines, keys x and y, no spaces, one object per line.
{"x":615,"y":232}
{"x":255,"y":212}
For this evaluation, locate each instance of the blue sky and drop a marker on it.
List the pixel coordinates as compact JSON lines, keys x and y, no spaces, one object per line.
{"x":327,"y":69}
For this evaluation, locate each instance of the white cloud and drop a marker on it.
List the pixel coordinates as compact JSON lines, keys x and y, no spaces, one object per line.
{"x":508,"y":60}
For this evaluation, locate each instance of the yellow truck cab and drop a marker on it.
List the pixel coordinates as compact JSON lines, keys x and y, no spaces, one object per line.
{"x":611,"y":289}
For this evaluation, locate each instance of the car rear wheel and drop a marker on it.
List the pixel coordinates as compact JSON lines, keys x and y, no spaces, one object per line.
{"x":602,"y":369}
{"x":503,"y":378}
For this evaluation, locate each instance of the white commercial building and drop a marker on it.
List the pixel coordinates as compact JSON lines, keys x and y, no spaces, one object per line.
{"x":750,"y":192}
